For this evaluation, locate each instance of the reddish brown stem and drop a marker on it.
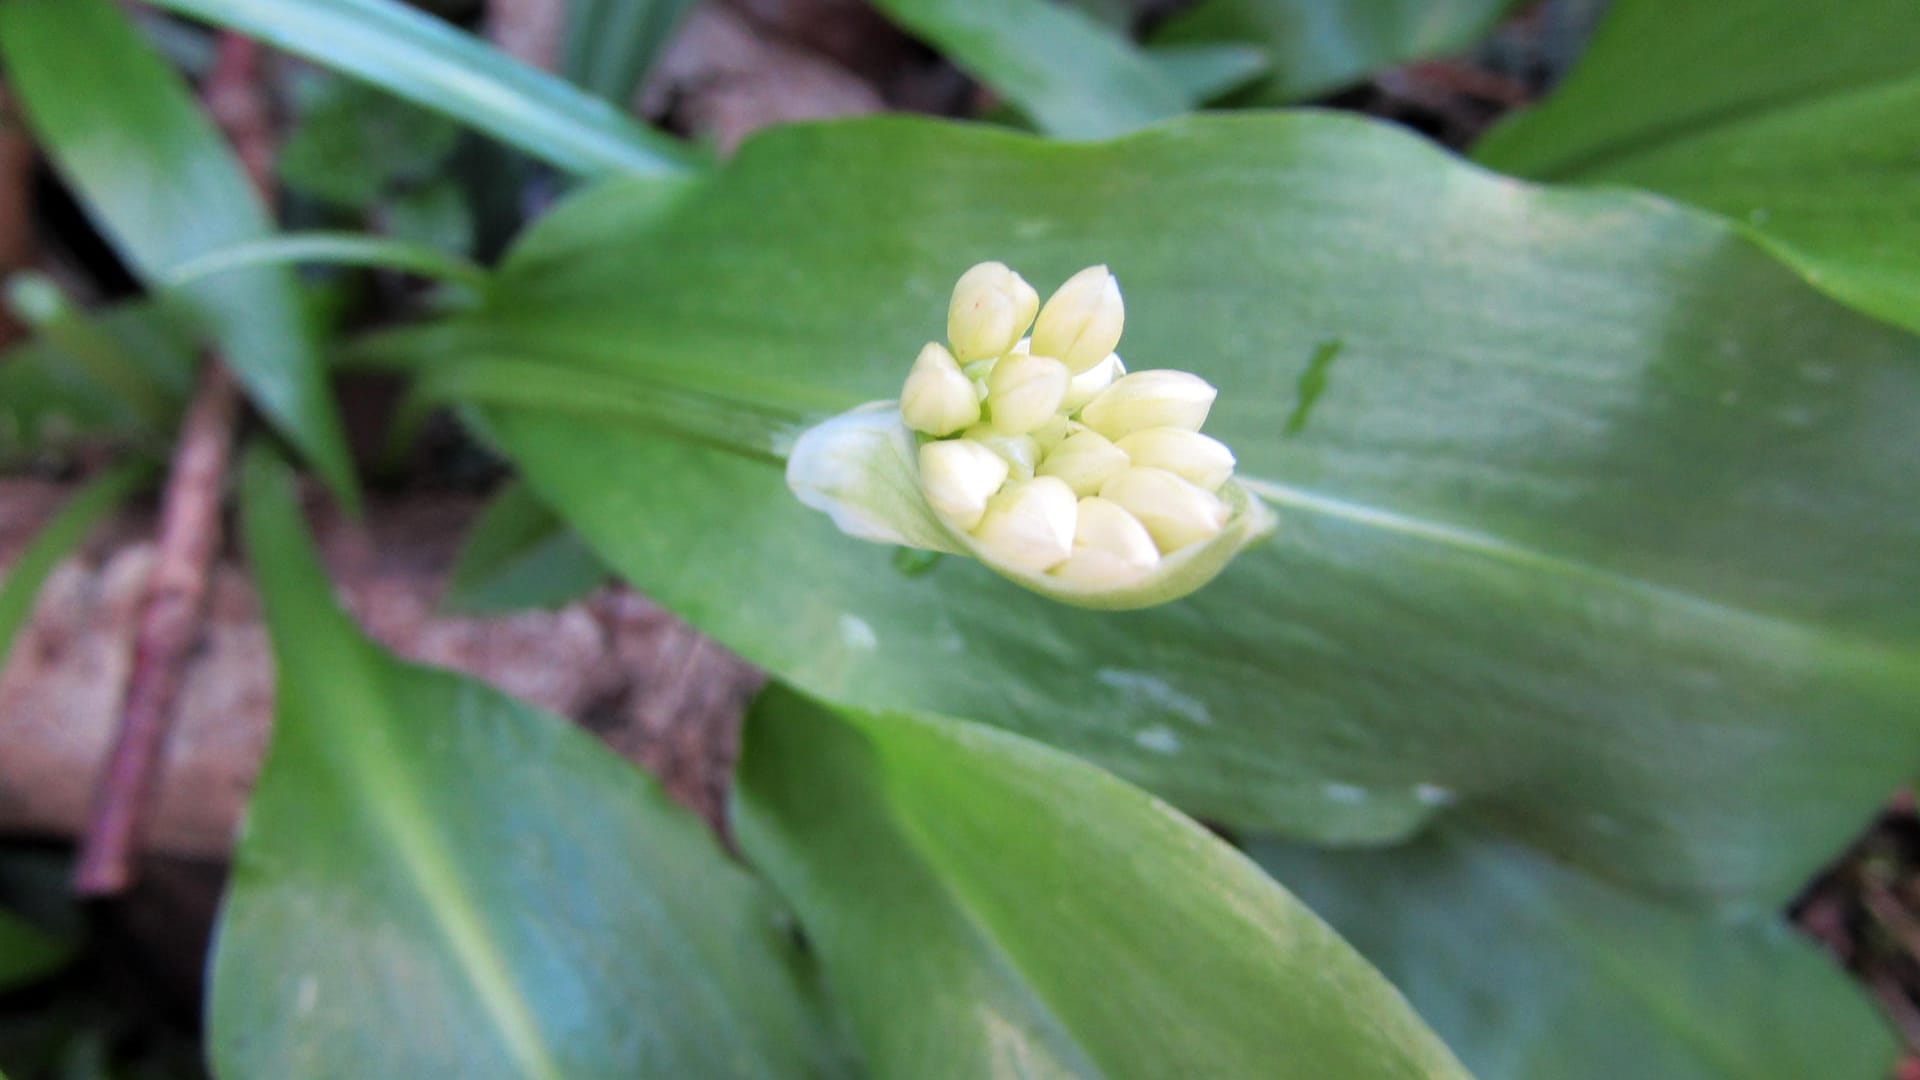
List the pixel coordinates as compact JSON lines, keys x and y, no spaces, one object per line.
{"x":171,"y":613}
{"x":168,"y":629}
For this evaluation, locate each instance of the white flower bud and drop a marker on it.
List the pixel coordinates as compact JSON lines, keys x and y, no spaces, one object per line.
{"x":1024,"y":392}
{"x":1081,"y":322}
{"x":1193,"y":457}
{"x":1110,"y":546}
{"x":958,"y":476}
{"x":1051,"y":434}
{"x":991,"y":308}
{"x":937,"y":398}
{"x":1021,"y":452}
{"x":1175,"y":512}
{"x":1087,"y":385}
{"x":1149,"y":399}
{"x":1085,"y":461}
{"x":1030,"y":524}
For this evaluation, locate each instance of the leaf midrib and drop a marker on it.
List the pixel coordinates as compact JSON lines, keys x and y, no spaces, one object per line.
{"x":1519,"y":556}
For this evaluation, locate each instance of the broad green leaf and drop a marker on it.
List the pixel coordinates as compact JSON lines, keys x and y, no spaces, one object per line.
{"x":28,"y":953}
{"x":60,"y":535}
{"x":422,"y":59}
{"x":1595,"y":524}
{"x":610,"y":44}
{"x":1073,"y":76}
{"x":985,"y":906}
{"x":1315,"y":47}
{"x":49,"y":401}
{"x":518,"y":555}
{"x":1533,"y":972}
{"x":437,"y":880}
{"x":160,"y":181}
{"x":1204,"y":72}
{"x":1796,"y":120}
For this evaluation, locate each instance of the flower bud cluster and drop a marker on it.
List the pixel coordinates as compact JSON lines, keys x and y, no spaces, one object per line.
{"x":1045,"y":450}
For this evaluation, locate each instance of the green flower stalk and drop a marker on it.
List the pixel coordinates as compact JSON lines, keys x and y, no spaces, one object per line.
{"x":1041,"y":456}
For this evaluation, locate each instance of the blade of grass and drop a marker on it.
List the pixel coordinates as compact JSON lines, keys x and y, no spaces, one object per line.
{"x":430,"y":63}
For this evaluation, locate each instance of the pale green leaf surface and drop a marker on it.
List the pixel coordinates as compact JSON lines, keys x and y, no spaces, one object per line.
{"x":1595,"y":524}
{"x":160,"y":181}
{"x":1073,"y":76}
{"x":1317,"y":46}
{"x":63,"y":532}
{"x":1796,"y":120}
{"x":436,"y":880}
{"x":334,"y":249}
{"x":518,"y":555}
{"x":984,"y":906}
{"x":1533,"y":972}
{"x":420,"y":58}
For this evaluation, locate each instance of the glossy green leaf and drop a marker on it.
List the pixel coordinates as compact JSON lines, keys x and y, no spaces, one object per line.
{"x":1595,"y":523}
{"x":28,"y":953}
{"x":436,"y":880}
{"x":518,"y":555}
{"x":60,"y":535}
{"x":50,"y":401}
{"x":1315,"y":47}
{"x":1796,"y":120}
{"x":1073,"y":76}
{"x":985,"y":906}
{"x":160,"y":181}
{"x":1533,"y":972}
{"x":424,"y":60}
{"x":610,"y":44}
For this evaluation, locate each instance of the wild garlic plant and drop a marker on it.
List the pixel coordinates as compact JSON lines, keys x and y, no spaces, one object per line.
{"x":1039,"y":453}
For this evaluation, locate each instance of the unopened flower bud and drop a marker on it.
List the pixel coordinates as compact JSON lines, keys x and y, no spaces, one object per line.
{"x":1085,"y":461}
{"x":937,"y":398}
{"x":1054,"y":432}
{"x":1021,"y":452}
{"x":958,"y":476}
{"x":1087,"y":385}
{"x":1110,"y":546}
{"x":1081,"y":322}
{"x":1024,"y":392}
{"x":1149,"y":399}
{"x":991,"y":308}
{"x":1196,"y":458}
{"x":1030,"y":524}
{"x":1175,"y":512}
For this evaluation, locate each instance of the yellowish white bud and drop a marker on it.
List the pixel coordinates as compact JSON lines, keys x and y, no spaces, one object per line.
{"x":1024,"y":392}
{"x":1054,"y":432}
{"x":1110,"y":546}
{"x":991,"y":308}
{"x":1085,"y":461}
{"x":1196,"y":458}
{"x":1021,"y":452}
{"x":1087,"y":385}
{"x":958,"y":477}
{"x":1081,"y":322}
{"x":1175,"y":512}
{"x":1149,"y":399}
{"x":1030,"y":524}
{"x":938,"y":399}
